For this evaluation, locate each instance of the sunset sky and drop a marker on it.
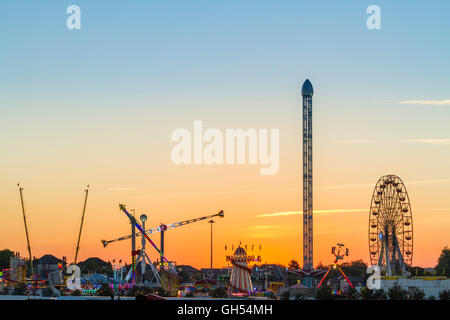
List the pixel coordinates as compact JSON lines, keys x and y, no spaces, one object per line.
{"x":98,"y":105}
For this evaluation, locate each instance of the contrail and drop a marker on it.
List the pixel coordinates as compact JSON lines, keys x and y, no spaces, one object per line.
{"x":437,"y":141}
{"x":331,"y":211}
{"x":288,"y":213}
{"x":428,"y":102}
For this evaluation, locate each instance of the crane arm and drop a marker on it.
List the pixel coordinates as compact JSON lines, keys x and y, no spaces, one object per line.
{"x":185,"y":222}
{"x":164,"y":227}
{"x":26,"y":230}
{"x":105,"y":242}
{"x":81,"y":224}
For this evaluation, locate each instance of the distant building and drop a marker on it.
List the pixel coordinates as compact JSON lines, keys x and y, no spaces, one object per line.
{"x":300,"y":289}
{"x":55,"y":278}
{"x":205,"y":283}
{"x":18,"y":270}
{"x":49,"y":263}
{"x":170,"y":282}
{"x":270,"y":273}
{"x":430,"y":270}
{"x":188,"y":273}
{"x":95,"y":265}
{"x":215,"y":273}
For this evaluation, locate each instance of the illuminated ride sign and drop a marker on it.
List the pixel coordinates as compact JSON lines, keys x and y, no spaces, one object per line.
{"x":249,"y":258}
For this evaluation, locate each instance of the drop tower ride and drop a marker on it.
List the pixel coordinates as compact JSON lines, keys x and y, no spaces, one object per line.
{"x":307,"y":93}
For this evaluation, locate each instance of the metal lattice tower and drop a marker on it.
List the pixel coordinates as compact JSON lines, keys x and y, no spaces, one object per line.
{"x":307,"y":93}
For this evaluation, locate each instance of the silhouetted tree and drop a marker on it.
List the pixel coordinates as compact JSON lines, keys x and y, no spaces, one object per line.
{"x":368,"y":294}
{"x":5,"y":255}
{"x":293,"y":265}
{"x":354,"y":268}
{"x":444,"y":294}
{"x":324,"y":293}
{"x":397,"y":293}
{"x":443,"y":266}
{"x":418,"y":294}
{"x":321,"y":266}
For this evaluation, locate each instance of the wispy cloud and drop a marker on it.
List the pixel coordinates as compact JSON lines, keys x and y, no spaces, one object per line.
{"x":427,"y":102}
{"x":429,"y":141}
{"x":335,"y":211}
{"x":284,"y":213}
{"x":360,"y":141}
{"x":444,"y":141}
{"x":321,"y":212}
{"x":121,"y":189}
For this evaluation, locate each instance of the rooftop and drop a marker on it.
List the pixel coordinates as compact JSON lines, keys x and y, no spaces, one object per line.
{"x":49,"y":259}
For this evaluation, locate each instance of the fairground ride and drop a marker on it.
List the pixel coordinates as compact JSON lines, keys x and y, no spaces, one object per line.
{"x":339,"y":252}
{"x":142,"y":256}
{"x":162,"y":229}
{"x":391,"y":226}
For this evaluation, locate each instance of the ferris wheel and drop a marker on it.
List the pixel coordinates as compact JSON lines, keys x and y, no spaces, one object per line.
{"x":391,"y":226}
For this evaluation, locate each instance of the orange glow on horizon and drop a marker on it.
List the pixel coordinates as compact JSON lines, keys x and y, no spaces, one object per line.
{"x":278,"y":232}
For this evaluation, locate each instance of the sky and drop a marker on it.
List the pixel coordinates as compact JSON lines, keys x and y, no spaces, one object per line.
{"x":98,"y":105}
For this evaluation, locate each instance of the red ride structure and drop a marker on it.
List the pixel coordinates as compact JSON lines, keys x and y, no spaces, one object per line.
{"x":339,"y":252}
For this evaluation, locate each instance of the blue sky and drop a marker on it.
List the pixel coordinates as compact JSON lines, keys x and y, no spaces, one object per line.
{"x":186,"y":47}
{"x":232,"y":63}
